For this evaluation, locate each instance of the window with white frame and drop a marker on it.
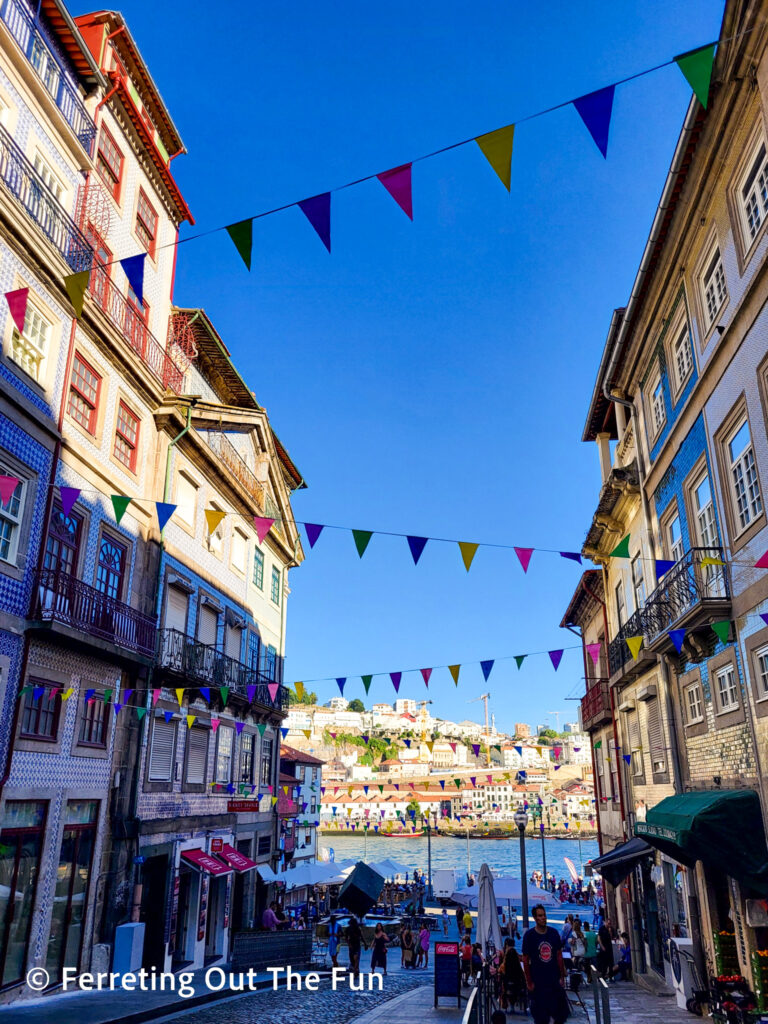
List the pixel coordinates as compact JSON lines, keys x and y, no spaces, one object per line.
{"x":727,"y":694}
{"x":239,"y":551}
{"x":658,"y":411}
{"x":224,"y":754}
{"x":675,"y":539}
{"x":693,"y":704}
{"x":186,"y":500}
{"x":745,"y":485}
{"x":761,"y":664}
{"x":620,"y":606}
{"x":30,"y":349}
{"x":706,"y":525}
{"x":713,"y":288}
{"x":638,"y":580}
{"x":753,"y":194}
{"x":10,"y":520}
{"x":682,"y":358}
{"x":50,"y":179}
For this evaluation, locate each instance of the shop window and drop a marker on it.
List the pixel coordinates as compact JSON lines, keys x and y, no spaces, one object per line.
{"x":21,"y":840}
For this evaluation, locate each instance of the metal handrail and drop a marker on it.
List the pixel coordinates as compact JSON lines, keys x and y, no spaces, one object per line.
{"x":48,"y":68}
{"x":221,"y":446}
{"x":24,"y":183}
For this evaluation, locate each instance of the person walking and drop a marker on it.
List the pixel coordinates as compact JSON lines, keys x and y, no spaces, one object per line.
{"x":465,"y":951}
{"x":409,"y":951}
{"x":605,"y":950}
{"x":379,"y":954}
{"x":460,"y":921}
{"x":354,"y":941}
{"x":334,"y":935}
{"x":590,"y":948}
{"x":512,"y":990}
{"x":423,"y":947}
{"x":576,"y":944}
{"x":467,"y":922}
{"x":444,"y":917}
{"x":544,"y":971}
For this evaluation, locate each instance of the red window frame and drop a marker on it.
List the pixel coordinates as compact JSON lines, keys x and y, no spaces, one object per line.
{"x":78,"y":390}
{"x":127,"y":454}
{"x":94,"y":723}
{"x":146,"y":223}
{"x":33,"y":712}
{"x":109,"y":163}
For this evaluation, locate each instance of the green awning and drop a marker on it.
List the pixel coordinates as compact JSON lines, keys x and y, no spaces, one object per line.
{"x":722,"y":828}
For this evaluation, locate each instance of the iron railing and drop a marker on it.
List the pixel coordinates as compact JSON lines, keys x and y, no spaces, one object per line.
{"x":184,"y":656}
{"x":618,"y":651}
{"x":223,"y":448}
{"x":63,"y":598}
{"x":596,"y":703}
{"x":128,"y":320}
{"x":28,"y":188}
{"x":22,"y":27}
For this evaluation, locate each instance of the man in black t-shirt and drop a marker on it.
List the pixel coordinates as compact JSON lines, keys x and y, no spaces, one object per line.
{"x":545,"y":971}
{"x":605,"y":950}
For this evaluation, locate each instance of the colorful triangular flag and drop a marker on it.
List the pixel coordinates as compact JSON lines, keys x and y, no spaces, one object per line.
{"x":762,"y":562}
{"x":69,"y":496}
{"x":468,"y":552}
{"x":677,"y":636}
{"x":555,"y":657}
{"x":262,"y":525}
{"x":213,"y":516}
{"x":134,"y":271}
{"x":398,"y":183}
{"x":574,"y":556}
{"x":8,"y":485}
{"x":317,"y":210}
{"x":164,"y":513}
{"x":425,"y":674}
{"x":496,"y":147}
{"x":696,"y":65}
{"x":634,"y":643}
{"x":622,"y":548}
{"x":76,"y":285}
{"x":454,"y":670}
{"x":593,"y":650}
{"x":367,"y":682}
{"x":17,"y":306}
{"x":723,"y":630}
{"x":119,"y":503}
{"x":663,"y":565}
{"x":241,"y":234}
{"x":362,"y":539}
{"x":313,"y":532}
{"x":486,"y":667}
{"x":519,"y":659}
{"x":340,"y":681}
{"x":396,"y":677}
{"x":524,"y":554}
{"x":417,"y":545}
{"x":595,"y":111}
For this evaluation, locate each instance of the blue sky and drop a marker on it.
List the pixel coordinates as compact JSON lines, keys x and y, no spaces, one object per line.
{"x":430,"y":378}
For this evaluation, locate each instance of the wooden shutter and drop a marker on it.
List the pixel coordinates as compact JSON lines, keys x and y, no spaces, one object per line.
{"x":208,"y":626}
{"x":656,"y":736}
{"x":176,"y":610}
{"x":232,"y":642}
{"x":161,"y":754}
{"x":634,"y":743}
{"x":197,"y":755}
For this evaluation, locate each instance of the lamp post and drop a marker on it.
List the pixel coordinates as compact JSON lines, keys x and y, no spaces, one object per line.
{"x":521,"y":820}
{"x":430,"y":892}
{"x":543,"y":852}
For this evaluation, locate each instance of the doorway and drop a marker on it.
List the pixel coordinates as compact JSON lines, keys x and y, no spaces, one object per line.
{"x":153,"y":911}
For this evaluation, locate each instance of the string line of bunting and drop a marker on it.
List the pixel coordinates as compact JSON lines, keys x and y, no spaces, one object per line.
{"x":595,"y":110}
{"x":68,"y":496}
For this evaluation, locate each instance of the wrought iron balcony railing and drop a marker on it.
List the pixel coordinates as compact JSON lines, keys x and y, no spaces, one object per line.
{"x":596,"y":703}
{"x":618,"y":651}
{"x":184,"y":656}
{"x":127,"y":318}
{"x":21,"y":25}
{"x":222,"y":447}
{"x":65,"y":599}
{"x":24,"y":183}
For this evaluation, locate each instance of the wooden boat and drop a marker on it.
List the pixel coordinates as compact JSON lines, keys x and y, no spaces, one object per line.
{"x":401,"y":835}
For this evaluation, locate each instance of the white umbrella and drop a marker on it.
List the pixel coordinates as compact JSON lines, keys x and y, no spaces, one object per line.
{"x":507,"y":889}
{"x":309,"y":874}
{"x":393,"y":867}
{"x":488,"y":930}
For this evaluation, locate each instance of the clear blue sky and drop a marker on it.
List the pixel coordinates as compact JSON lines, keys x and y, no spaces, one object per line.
{"x":433,"y":377}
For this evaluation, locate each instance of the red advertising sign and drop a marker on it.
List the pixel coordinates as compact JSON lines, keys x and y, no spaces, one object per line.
{"x":446,"y":949}
{"x":217,"y":844}
{"x":242,"y":806}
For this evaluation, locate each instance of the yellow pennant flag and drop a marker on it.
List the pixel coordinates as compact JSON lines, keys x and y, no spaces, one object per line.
{"x":299,"y":687}
{"x":454,"y":670}
{"x":468,"y":552}
{"x":711,"y":561}
{"x":190,"y":720}
{"x":68,"y":693}
{"x":307,"y":732}
{"x":497,"y":150}
{"x":213,"y":517}
{"x":430,"y":746}
{"x":76,"y":285}
{"x":274,"y":800}
{"x":578,"y":826}
{"x":634,"y":643}
{"x":538,"y":751}
{"x":285,"y":790}
{"x":179,"y":696}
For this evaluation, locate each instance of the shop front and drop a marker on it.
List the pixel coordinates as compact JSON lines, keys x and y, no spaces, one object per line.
{"x":21,"y":842}
{"x":202,"y":909}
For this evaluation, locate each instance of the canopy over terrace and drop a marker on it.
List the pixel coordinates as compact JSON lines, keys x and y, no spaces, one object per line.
{"x":507,"y":890}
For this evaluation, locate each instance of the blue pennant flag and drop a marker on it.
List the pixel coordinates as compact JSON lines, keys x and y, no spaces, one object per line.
{"x":134,"y":271}
{"x":595,"y":111}
{"x":677,"y":636}
{"x":486,"y":666}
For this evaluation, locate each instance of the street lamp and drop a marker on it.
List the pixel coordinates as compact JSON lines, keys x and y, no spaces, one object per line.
{"x":521,"y":820}
{"x":430,"y":891}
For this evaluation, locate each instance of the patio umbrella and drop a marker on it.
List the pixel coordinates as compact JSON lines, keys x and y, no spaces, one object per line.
{"x":507,"y":889}
{"x":488,"y":930}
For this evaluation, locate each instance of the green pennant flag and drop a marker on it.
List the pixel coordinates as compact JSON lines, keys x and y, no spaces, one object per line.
{"x":262,"y":727}
{"x":242,"y":235}
{"x":598,"y":744}
{"x":25,"y":690}
{"x":497,"y":150}
{"x":622,"y":549}
{"x":120,"y":503}
{"x":76,"y":285}
{"x":367,"y":682}
{"x":519,"y":659}
{"x":107,"y":696}
{"x":141,"y":712}
{"x":723,"y":630}
{"x":696,"y":65}
{"x":381,"y":789}
{"x":362,"y":537}
{"x":224,"y":691}
{"x":458,"y":783}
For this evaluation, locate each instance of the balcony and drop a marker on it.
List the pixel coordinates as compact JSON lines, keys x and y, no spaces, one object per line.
{"x":128,"y":320}
{"x":183,"y":656}
{"x":596,"y":704}
{"x":21,"y":25}
{"x":223,"y":448}
{"x":64,"y":600}
{"x":24,"y":183}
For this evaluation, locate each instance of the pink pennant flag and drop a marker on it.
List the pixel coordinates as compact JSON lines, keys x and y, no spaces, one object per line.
{"x":555,"y":657}
{"x":155,"y":696}
{"x":425,"y":674}
{"x":398,"y":183}
{"x":215,"y":724}
{"x":17,"y":306}
{"x":762,"y":562}
{"x":8,"y":485}
{"x":273,"y":688}
{"x":263,"y":526}
{"x":69,"y":496}
{"x":593,"y":650}
{"x":524,"y":554}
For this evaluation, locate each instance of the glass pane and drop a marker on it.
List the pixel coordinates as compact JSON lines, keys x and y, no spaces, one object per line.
{"x":82,"y":869}
{"x":25,"y":857}
{"x":24,"y":814}
{"x":739,"y":442}
{"x":81,"y":812}
{"x":57,"y":934}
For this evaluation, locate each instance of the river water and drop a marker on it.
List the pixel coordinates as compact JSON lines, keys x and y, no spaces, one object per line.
{"x":501,"y":855}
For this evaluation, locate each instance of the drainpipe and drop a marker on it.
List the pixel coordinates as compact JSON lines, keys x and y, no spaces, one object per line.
{"x":580,"y":634}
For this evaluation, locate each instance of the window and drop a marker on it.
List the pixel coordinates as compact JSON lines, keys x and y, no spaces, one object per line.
{"x":658,"y":412}
{"x":258,"y":569}
{"x":638,"y":582}
{"x":197,"y":755}
{"x":713,"y":288}
{"x":39,"y":715}
{"x":681,"y":356}
{"x":754,"y":195}
{"x":254,"y":645}
{"x":126,"y":437}
{"x":706,"y":527}
{"x":266,"y":763}
{"x":63,"y":541}
{"x":146,"y":223}
{"x":93,"y":725}
{"x":42,"y":61}
{"x":275,"y":593}
{"x":136,"y":324}
{"x":761,"y":664}
{"x":30,"y":349}
{"x":161,"y":752}
{"x":216,"y":537}
{"x":746,"y":488}
{"x":84,"y":388}
{"x":22,"y":827}
{"x":727,"y":694}
{"x":239,"y":551}
{"x":50,"y":180}
{"x":224,"y":754}
{"x":693,"y":704}
{"x":186,"y":500}
{"x":270,"y":662}
{"x":10,"y":521}
{"x":246,"y":757}
{"x":109,"y":163}
{"x":264,"y":847}
{"x":110,"y":570}
{"x":656,"y":737}
{"x":675,"y":539}
{"x":620,"y":607}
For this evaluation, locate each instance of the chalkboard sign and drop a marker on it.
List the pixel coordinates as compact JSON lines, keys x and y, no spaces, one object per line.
{"x":447,"y":972}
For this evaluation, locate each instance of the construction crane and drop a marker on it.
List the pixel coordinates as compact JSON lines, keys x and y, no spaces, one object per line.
{"x":485,"y":697}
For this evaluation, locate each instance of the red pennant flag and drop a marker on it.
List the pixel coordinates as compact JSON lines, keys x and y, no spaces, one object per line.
{"x":17,"y":306}
{"x":8,"y":485}
{"x":426,"y":673}
{"x":762,"y":562}
{"x":398,"y":183}
{"x":263,"y":526}
{"x":524,"y":554}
